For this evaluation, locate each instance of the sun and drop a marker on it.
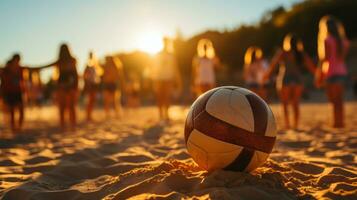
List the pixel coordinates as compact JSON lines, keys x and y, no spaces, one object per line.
{"x":150,"y":42}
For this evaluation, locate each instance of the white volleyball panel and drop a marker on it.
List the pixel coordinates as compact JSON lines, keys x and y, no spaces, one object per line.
{"x":211,"y":153}
{"x":231,"y":107}
{"x":257,"y":160}
{"x":244,"y":91}
{"x":271,"y":124}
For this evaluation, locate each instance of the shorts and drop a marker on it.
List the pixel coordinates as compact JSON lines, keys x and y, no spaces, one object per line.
{"x":112,"y":87}
{"x":13,"y":99}
{"x":341,"y":79}
{"x":292,"y":80}
{"x":90,"y":87}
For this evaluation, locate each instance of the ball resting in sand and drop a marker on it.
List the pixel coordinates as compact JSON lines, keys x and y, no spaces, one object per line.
{"x":230,"y":128}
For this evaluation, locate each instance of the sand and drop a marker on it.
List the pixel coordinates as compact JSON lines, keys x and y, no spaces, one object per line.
{"x":139,"y":159}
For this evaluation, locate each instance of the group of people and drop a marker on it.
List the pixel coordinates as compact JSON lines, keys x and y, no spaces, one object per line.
{"x":165,"y":75}
{"x":330,"y":72}
{"x":13,"y":86}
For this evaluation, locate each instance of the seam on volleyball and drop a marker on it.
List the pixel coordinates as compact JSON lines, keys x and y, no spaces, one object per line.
{"x":230,"y":105}
{"x":206,"y":157}
{"x":220,"y":141}
{"x":255,"y":115}
{"x":194,"y":117}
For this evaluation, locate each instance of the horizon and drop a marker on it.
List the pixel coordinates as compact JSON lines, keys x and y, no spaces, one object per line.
{"x":112,"y":27}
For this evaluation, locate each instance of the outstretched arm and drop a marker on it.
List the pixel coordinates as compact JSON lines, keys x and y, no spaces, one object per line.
{"x":309,"y":64}
{"x":274,"y":62}
{"x":45,"y":66}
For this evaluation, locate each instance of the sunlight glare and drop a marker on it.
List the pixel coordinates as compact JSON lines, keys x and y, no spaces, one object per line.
{"x":150,"y":42}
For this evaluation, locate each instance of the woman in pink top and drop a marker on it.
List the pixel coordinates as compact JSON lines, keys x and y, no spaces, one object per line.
{"x":332,"y":49}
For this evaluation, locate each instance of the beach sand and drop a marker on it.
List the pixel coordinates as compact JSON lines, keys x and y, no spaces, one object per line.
{"x":137,"y":158}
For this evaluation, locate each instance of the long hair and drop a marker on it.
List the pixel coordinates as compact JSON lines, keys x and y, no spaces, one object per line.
{"x":330,"y":26}
{"x":205,"y":49}
{"x":65,"y":55}
{"x":293,"y":44}
{"x":113,"y":62}
{"x":252,"y":54}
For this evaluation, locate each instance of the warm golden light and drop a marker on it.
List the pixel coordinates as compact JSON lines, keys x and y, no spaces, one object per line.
{"x":150,"y":42}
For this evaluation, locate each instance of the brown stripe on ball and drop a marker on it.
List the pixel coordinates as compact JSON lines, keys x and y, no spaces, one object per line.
{"x":242,"y":161}
{"x":260,"y":113}
{"x":260,"y":116}
{"x":198,"y":107}
{"x":221,"y":130}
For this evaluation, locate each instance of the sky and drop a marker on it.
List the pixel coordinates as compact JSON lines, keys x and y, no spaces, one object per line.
{"x":36,"y":28}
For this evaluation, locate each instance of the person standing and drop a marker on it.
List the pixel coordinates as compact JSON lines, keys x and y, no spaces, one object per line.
{"x":291,"y":60}
{"x":333,"y":47}
{"x":113,"y":83}
{"x":13,"y":90}
{"x":203,"y":67}
{"x":66,"y":85}
{"x":91,"y":81}
{"x":166,"y":78}
{"x":255,"y":67}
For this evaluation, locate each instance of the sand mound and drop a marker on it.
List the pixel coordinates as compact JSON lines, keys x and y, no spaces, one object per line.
{"x":139,"y":159}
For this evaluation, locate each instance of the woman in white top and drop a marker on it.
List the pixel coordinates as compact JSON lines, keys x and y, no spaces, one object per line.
{"x":255,"y":67}
{"x":166,"y":77}
{"x":203,"y":65}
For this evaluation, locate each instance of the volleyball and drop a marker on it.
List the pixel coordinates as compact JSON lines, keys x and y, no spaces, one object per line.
{"x":230,"y":128}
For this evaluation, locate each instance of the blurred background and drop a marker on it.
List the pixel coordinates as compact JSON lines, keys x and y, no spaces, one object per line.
{"x":133,"y":31}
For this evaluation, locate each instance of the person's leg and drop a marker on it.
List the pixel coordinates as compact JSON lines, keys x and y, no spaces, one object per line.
{"x":284,"y":97}
{"x":11,"y":110}
{"x":167,"y":90}
{"x":296,"y":96}
{"x":106,"y":97}
{"x":90,"y":104}
{"x":117,"y":103}
{"x":21,"y":115}
{"x":159,"y":98}
{"x":61,"y":100}
{"x":338,"y":105}
{"x":71,"y":106}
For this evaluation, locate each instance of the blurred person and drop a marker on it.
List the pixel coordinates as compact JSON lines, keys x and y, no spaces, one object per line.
{"x":133,"y":88}
{"x":34,"y":89}
{"x":203,"y":67}
{"x":91,"y":82}
{"x":166,"y":78}
{"x":333,"y":47}
{"x":13,"y":90}
{"x":255,"y":67}
{"x":66,"y":85}
{"x":113,"y":83}
{"x":291,"y":60}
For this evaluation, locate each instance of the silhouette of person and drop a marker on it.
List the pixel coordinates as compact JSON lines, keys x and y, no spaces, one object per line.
{"x":203,"y":67}
{"x":113,"y":82}
{"x":166,"y":77}
{"x":255,"y":67}
{"x":333,"y":47}
{"x":91,"y":82}
{"x":66,"y":85}
{"x":13,"y":89}
{"x":291,"y":59}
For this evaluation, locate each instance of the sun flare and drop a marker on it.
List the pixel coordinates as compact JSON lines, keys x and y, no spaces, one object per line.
{"x":150,"y":42}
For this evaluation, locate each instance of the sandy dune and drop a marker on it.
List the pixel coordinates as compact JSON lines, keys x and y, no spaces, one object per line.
{"x":139,"y":159}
